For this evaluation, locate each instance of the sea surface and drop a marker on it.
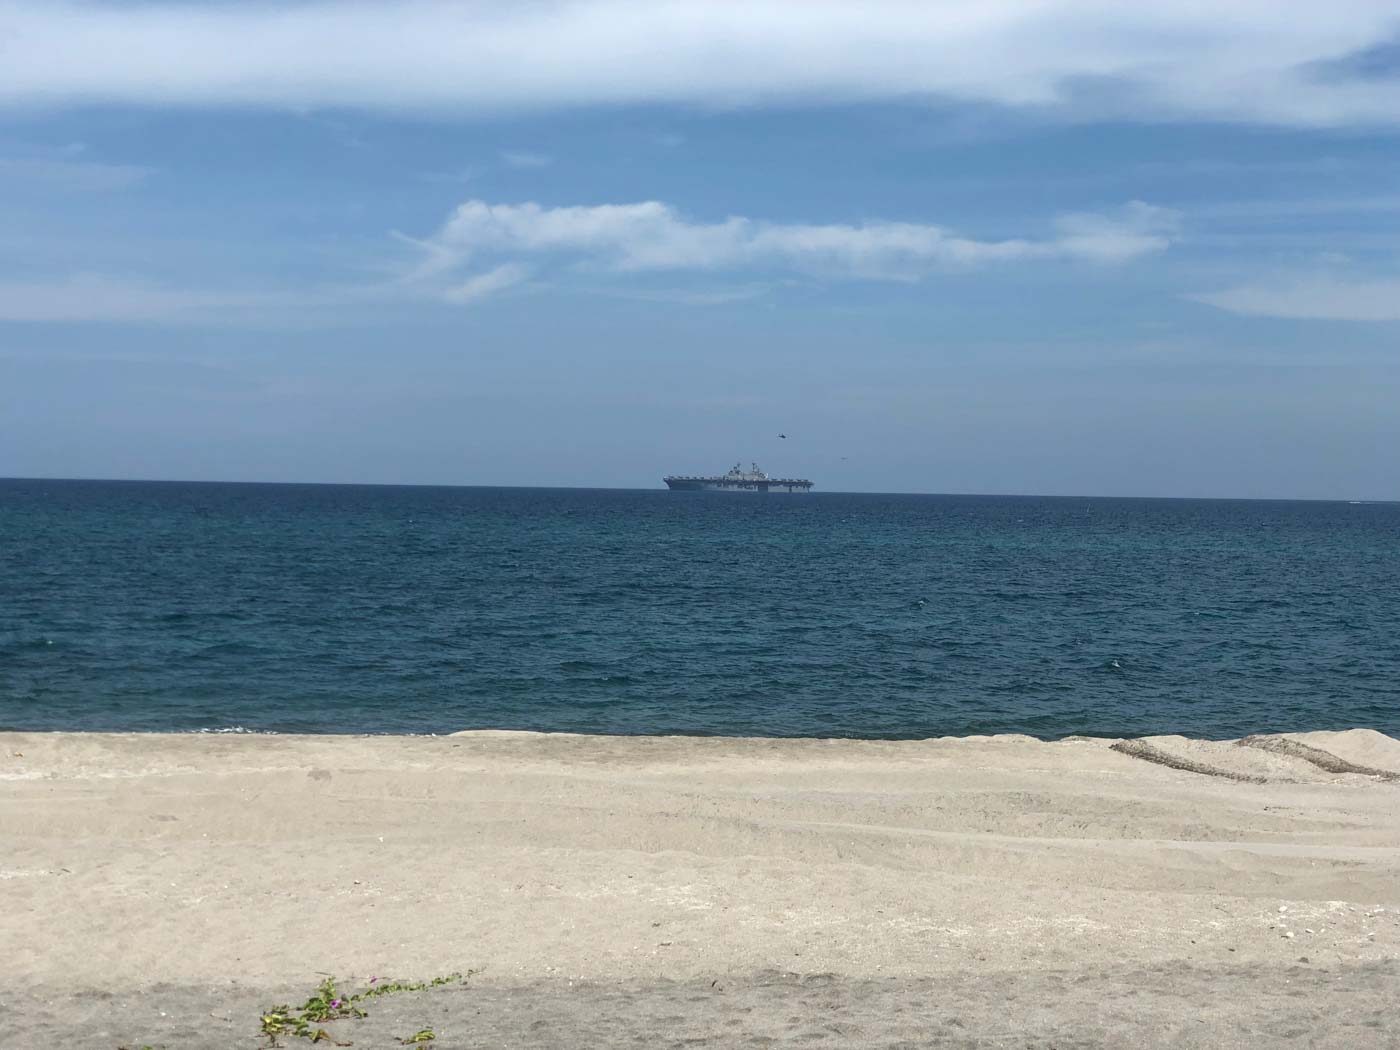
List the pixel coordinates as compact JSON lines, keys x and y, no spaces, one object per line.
{"x":366,"y":609}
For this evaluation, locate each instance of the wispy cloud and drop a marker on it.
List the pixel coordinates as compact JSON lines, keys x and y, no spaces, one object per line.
{"x":526,"y":159}
{"x":1315,"y":297}
{"x":488,"y":283}
{"x":483,"y":249}
{"x":1318,"y":65}
{"x":1337,"y":202}
{"x":651,"y":236}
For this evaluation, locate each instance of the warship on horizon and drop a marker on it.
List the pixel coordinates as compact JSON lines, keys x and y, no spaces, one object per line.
{"x":737,"y":480}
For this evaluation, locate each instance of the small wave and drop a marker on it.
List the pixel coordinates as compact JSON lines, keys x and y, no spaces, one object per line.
{"x":233,"y":729}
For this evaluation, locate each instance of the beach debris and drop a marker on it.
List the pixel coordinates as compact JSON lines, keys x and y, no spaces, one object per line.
{"x":423,"y":1035}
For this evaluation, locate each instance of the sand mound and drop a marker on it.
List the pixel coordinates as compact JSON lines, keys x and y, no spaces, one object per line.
{"x":1362,"y":747}
{"x":1221,"y":758}
{"x":1294,"y":758}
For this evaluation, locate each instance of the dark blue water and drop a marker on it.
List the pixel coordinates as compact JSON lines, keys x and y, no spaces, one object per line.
{"x":151,"y":606}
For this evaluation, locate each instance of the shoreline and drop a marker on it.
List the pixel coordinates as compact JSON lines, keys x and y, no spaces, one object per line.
{"x":1263,"y":757}
{"x":502,"y":731}
{"x":160,"y":867}
{"x":1107,"y":738}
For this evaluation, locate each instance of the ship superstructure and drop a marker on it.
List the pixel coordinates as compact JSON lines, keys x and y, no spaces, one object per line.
{"x":738,"y":480}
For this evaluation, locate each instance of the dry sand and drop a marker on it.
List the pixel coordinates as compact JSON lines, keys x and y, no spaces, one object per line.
{"x":679,"y":891}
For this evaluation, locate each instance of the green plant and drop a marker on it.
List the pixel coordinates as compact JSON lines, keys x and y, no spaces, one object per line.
{"x":329,"y":1004}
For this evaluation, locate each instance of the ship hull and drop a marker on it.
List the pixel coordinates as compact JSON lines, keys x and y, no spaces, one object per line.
{"x":722,"y":485}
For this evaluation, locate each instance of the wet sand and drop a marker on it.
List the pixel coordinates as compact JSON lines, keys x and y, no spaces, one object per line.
{"x":688,"y":891}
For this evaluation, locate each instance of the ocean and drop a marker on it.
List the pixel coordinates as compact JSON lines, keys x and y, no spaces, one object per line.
{"x":378,"y":609}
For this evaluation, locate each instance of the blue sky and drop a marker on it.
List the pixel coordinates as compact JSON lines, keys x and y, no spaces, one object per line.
{"x":1015,"y":247}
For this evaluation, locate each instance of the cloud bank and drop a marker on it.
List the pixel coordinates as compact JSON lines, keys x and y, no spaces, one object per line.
{"x":651,"y":236}
{"x":1317,"y":64}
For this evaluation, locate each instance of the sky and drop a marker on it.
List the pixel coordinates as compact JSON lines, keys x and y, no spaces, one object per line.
{"x":1019,"y":246}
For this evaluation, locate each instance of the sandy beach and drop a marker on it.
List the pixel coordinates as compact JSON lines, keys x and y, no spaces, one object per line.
{"x":1001,"y":891}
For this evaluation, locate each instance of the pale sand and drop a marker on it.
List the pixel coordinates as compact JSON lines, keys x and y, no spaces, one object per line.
{"x":688,"y":891}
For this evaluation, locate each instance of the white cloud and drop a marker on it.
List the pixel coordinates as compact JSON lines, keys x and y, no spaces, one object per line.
{"x":1139,"y":229}
{"x":524,"y":159}
{"x":481,"y":285}
{"x":1322,"y":298}
{"x":1247,"y":60}
{"x":652,"y":236}
{"x":483,"y":249}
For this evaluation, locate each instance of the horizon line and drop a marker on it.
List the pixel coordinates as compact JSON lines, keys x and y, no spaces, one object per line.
{"x":616,"y":488}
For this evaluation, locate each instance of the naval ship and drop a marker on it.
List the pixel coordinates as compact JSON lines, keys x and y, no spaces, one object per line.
{"x":738,"y":480}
